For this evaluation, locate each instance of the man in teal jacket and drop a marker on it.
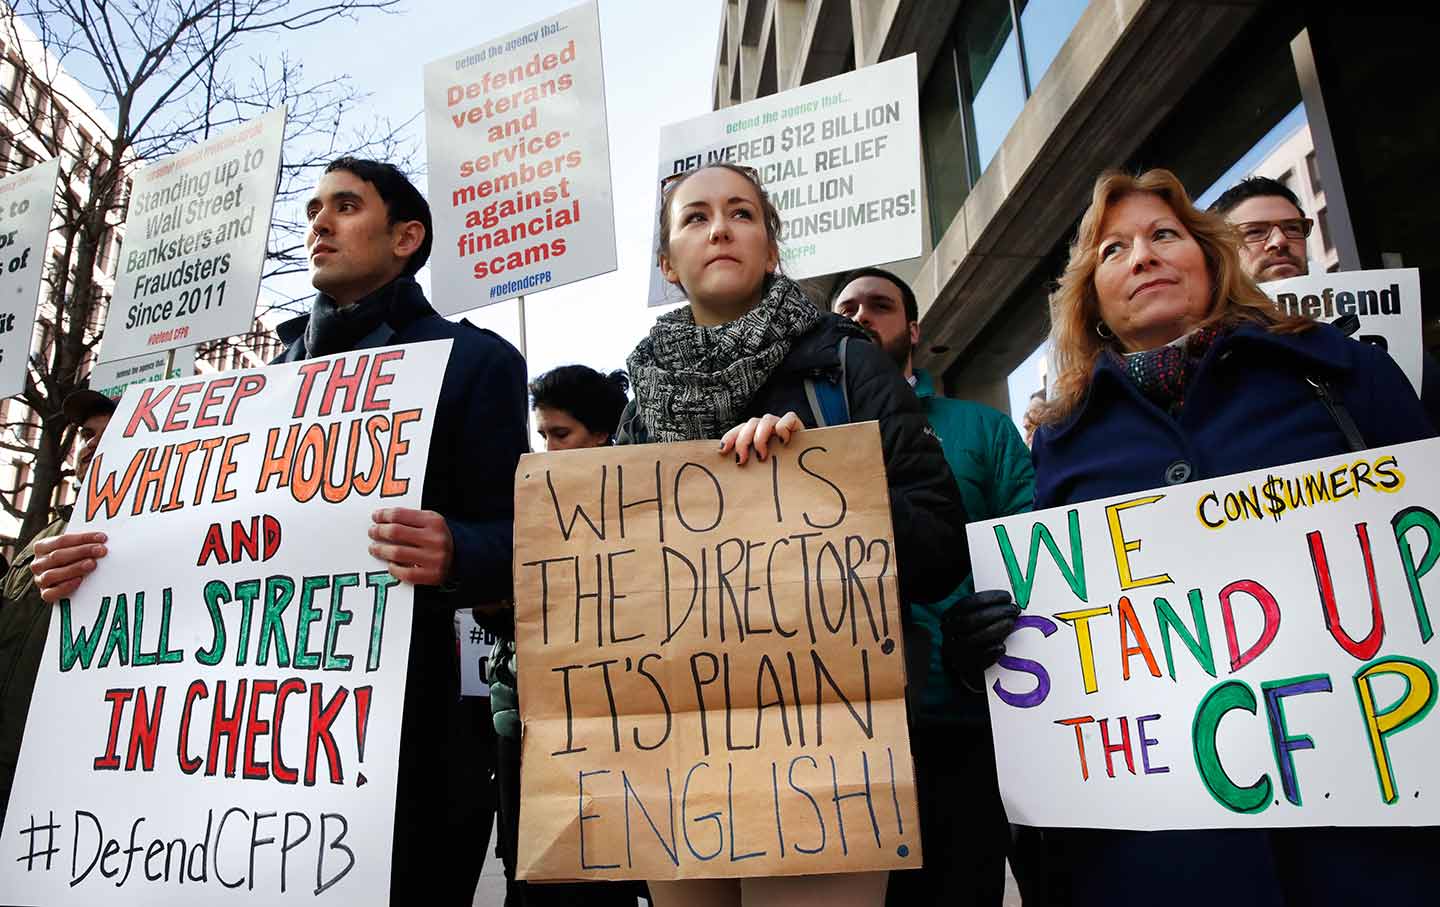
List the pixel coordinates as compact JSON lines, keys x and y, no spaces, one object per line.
{"x":962,"y":821}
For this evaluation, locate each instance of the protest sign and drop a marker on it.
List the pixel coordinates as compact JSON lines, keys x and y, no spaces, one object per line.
{"x":1386,"y":302}
{"x":217,"y":716}
{"x":1248,"y":651}
{"x":111,"y":378}
{"x":711,"y":667}
{"x":519,"y":159}
{"x":27,"y":202}
{"x":475,"y":643}
{"x":840,"y":159}
{"x":195,"y":238}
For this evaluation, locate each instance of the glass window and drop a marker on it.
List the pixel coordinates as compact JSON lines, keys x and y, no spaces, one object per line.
{"x":990,"y":60}
{"x":1044,"y":25}
{"x":1313,"y":167}
{"x":1322,"y":220}
{"x":943,"y":129}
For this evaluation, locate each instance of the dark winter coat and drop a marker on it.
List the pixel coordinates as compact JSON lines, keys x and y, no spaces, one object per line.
{"x":925,"y":503}
{"x":1248,"y":407}
{"x":991,"y":464}
{"x":24,"y":627}
{"x":480,"y":431}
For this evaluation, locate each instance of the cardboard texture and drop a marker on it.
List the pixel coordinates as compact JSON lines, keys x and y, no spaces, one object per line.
{"x":710,"y":663}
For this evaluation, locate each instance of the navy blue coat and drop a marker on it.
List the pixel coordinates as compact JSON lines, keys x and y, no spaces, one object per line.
{"x":1248,"y":407}
{"x":481,"y":428}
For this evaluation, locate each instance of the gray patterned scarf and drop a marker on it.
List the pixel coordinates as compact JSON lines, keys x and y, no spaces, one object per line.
{"x":693,"y":382}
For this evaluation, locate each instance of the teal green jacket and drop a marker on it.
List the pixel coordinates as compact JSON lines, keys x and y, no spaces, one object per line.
{"x":992,"y":467}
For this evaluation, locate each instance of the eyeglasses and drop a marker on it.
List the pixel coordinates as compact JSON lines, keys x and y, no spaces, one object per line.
{"x":1255,"y":232}
{"x":669,"y":182}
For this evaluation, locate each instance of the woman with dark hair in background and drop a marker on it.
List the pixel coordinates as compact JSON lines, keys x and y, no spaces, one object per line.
{"x":575,"y":407}
{"x":750,"y":346}
{"x":1172,"y":366}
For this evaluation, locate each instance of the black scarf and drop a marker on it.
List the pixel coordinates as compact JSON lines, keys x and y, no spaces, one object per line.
{"x":333,"y":329}
{"x":693,"y":382}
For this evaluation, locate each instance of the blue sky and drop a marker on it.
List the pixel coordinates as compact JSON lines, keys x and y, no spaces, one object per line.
{"x":659,"y":58}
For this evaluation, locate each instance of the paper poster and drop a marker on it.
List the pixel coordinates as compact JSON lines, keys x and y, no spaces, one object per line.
{"x":519,"y":156}
{"x":195,"y":239}
{"x":475,"y":644}
{"x":712,"y":674}
{"x":1386,"y":302}
{"x":840,"y":159}
{"x":1251,"y":651}
{"x":217,"y":715}
{"x":27,"y":201}
{"x":111,"y":378}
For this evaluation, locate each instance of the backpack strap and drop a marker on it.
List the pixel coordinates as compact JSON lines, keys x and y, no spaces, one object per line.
{"x":829,"y":398}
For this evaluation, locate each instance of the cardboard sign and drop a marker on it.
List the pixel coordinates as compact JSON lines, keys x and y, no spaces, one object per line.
{"x":712,"y":674}
{"x":111,"y":378}
{"x":519,"y":158}
{"x":195,"y":239}
{"x":1250,"y":651}
{"x":217,"y":716}
{"x":840,"y":158}
{"x":27,"y":201}
{"x":1386,"y":302}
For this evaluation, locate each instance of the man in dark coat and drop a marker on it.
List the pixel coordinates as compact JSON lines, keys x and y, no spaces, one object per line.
{"x":369,"y":232}
{"x":1259,"y":205}
{"x":24,"y":615}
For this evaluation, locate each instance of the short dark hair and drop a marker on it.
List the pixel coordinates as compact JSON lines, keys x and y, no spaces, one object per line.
{"x":1253,"y":187}
{"x":907,"y":295}
{"x":595,"y":400}
{"x":403,"y":202}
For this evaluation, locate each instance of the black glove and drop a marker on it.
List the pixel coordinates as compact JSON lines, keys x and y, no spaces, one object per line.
{"x":974,"y":631}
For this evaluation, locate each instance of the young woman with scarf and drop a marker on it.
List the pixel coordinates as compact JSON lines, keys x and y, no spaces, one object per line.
{"x":733,"y":365}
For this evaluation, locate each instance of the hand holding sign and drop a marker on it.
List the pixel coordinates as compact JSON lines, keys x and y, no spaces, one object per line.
{"x":239,"y":662}
{"x":757,"y":433}
{"x":62,"y":563}
{"x":417,"y":543}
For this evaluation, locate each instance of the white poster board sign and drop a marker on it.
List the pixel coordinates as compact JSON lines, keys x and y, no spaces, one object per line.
{"x":1386,"y":302}
{"x":519,"y":156}
{"x":475,"y":643}
{"x":232,"y":675}
{"x":111,"y":378}
{"x":27,"y":201}
{"x":195,"y":238}
{"x":840,"y":158}
{"x":1250,"y":651}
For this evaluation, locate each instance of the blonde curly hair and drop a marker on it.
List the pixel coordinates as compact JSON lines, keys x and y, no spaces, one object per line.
{"x":1075,"y":307}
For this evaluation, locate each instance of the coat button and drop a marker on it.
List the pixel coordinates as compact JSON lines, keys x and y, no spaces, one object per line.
{"x":1178,"y":472}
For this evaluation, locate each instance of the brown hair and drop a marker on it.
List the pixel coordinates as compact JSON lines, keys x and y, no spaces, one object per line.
{"x":769,"y":214}
{"x":1075,"y":307}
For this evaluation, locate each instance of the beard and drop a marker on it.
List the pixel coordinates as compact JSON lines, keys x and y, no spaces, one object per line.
{"x":898,"y":348}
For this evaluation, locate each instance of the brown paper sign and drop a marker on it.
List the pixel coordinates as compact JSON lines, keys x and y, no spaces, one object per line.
{"x":711,"y":667}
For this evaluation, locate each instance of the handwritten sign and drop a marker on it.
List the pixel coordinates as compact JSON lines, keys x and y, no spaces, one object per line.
{"x":217,"y":717}
{"x":195,"y":237}
{"x":26,"y":208}
{"x":519,"y":163}
{"x":1386,"y":302}
{"x":1250,"y":651}
{"x":711,"y":668}
{"x":840,"y":158}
